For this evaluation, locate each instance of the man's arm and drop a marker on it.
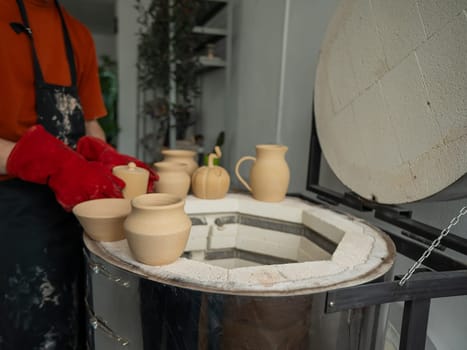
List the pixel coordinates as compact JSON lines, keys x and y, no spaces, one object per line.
{"x":5,"y":149}
{"x":93,"y":128}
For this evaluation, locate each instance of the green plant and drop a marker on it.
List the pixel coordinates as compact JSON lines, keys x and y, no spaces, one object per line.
{"x":219,"y":143}
{"x":109,"y":87}
{"x":166,"y":51}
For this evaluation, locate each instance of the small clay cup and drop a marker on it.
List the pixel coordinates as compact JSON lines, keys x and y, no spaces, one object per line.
{"x":135,"y":178}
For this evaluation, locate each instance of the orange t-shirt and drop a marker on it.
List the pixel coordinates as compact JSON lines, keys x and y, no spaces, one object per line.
{"x":17,"y":95}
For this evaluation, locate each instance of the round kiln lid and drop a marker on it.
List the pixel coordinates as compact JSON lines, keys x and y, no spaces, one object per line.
{"x":390,"y":98}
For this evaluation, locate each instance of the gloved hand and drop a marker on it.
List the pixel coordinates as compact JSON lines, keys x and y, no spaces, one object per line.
{"x":41,"y":158}
{"x":95,"y":149}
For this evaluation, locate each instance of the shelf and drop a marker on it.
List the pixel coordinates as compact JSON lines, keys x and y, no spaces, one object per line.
{"x":208,"y":35}
{"x":209,"y":64}
{"x":212,"y":25}
{"x":213,"y":7}
{"x":209,"y":31}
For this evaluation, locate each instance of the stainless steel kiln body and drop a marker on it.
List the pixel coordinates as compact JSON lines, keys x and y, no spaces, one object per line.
{"x":129,"y":310}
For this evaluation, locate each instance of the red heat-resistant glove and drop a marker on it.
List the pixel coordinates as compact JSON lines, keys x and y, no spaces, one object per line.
{"x":95,"y":149}
{"x":41,"y":158}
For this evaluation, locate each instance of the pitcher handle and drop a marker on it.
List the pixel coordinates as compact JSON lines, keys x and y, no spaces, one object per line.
{"x":237,"y":167}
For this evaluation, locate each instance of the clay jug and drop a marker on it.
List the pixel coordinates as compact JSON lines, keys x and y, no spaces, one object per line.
{"x":269,"y":175}
{"x":181,"y":156}
{"x":157,"y":228}
{"x":173,"y":178}
{"x":135,"y":178}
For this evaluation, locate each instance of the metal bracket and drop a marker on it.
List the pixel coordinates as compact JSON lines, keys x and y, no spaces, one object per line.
{"x":97,"y":322}
{"x":402,"y":219}
{"x":423,"y":285}
{"x":100,"y":269}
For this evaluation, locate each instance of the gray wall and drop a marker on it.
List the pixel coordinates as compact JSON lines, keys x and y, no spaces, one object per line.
{"x":127,"y":55}
{"x":275,"y":46}
{"x":97,"y":15}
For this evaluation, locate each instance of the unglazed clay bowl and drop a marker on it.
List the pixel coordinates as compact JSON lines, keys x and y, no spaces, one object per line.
{"x":102,"y":219}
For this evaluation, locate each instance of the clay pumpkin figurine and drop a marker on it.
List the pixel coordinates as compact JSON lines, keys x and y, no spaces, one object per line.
{"x":211,"y":181}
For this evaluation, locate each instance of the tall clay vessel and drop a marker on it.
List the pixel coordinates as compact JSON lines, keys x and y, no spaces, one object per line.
{"x":157,"y":228}
{"x":269,"y":175}
{"x":182,"y":156}
{"x":173,"y":178}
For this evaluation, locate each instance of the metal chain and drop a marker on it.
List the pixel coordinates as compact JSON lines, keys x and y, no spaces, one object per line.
{"x":433,"y":245}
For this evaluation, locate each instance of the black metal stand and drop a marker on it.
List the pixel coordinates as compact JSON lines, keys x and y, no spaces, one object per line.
{"x":448,"y":278}
{"x":415,"y":293}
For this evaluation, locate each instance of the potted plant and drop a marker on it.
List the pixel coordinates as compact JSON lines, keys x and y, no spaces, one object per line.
{"x":109,"y":88}
{"x":166,"y":55}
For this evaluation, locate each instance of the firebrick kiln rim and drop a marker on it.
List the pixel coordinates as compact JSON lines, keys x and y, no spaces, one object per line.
{"x":349,"y":265}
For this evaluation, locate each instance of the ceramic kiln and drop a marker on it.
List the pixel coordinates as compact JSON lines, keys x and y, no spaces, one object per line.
{"x":254,"y":276}
{"x":390,"y":115}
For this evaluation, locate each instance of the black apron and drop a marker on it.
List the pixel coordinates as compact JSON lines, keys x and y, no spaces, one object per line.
{"x":41,"y":260}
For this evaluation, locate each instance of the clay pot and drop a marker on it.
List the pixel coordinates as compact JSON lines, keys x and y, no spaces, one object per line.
{"x":135,"y":178}
{"x":269,"y":175}
{"x":212,"y":181}
{"x":157,"y":228}
{"x":173,"y":179}
{"x":181,"y":156}
{"x":102,"y":219}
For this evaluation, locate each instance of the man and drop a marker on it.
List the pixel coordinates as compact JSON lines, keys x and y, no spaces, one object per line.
{"x":52,"y":157}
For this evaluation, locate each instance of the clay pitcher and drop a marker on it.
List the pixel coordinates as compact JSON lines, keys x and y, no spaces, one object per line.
{"x":181,"y":156}
{"x":269,"y":175}
{"x":157,"y":228}
{"x":173,"y":178}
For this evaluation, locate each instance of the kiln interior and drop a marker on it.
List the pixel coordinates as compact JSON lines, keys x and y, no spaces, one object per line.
{"x":238,"y":245}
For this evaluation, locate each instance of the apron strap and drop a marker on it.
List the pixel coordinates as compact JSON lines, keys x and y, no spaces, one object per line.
{"x":68,"y":46}
{"x":38,"y":75}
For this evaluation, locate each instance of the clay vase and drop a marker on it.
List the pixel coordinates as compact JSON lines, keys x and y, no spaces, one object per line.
{"x":173,"y":179}
{"x":181,"y":156}
{"x":157,"y":228}
{"x":135,"y":178}
{"x":269,"y":175}
{"x":211,"y":181}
